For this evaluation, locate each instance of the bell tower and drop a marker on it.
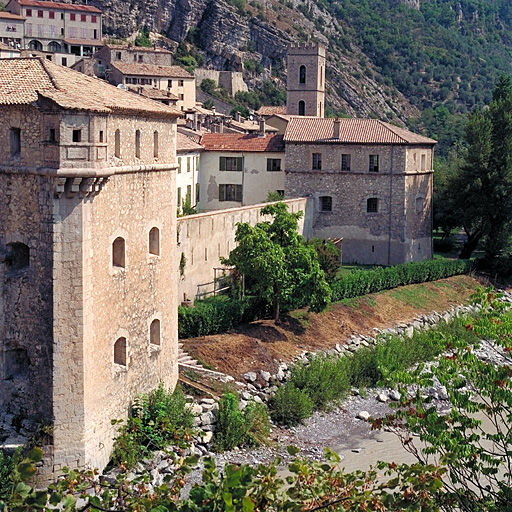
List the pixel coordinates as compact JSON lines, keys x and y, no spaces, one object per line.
{"x":305,"y":84}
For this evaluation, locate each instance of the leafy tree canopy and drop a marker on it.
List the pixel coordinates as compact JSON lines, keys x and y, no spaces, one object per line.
{"x":283,"y":269}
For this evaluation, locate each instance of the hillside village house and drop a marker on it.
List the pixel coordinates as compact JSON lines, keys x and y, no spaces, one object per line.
{"x":371,"y":184}
{"x":11,"y":30}
{"x":240,"y":169}
{"x":59,"y":27}
{"x":88,"y":274}
{"x":187,"y":178}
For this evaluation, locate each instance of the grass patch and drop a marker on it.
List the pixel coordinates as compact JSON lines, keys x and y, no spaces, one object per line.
{"x":419,"y":296}
{"x":302,"y":316}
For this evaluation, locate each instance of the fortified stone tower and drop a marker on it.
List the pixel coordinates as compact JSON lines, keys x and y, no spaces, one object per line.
{"x":88,"y":274}
{"x":306,"y":80}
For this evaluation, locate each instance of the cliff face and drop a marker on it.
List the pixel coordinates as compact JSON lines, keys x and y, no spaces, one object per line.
{"x":227,"y":39}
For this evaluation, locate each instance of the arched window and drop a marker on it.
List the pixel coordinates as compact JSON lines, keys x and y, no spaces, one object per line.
{"x":372,"y":205}
{"x":54,"y":47}
{"x":117,"y":149}
{"x":302,"y":108}
{"x":35,"y":45}
{"x":137,"y":143}
{"x":154,"y":332}
{"x":155,"y":144}
{"x":18,"y":256}
{"x":118,"y":252}
{"x":154,"y":241}
{"x":302,"y":75}
{"x":120,"y":351}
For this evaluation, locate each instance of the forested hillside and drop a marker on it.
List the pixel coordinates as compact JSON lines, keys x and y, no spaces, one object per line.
{"x":424,"y":63}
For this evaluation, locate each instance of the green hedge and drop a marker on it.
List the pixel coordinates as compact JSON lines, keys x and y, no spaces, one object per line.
{"x":213,"y":316}
{"x":362,"y":282}
{"x":220,"y":314}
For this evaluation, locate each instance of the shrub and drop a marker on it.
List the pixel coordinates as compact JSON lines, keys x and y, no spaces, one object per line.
{"x":6,"y":468}
{"x":240,"y":428}
{"x":156,"y":419}
{"x":215,"y":315}
{"x":324,"y":379}
{"x":290,"y":406}
{"x":362,"y":282}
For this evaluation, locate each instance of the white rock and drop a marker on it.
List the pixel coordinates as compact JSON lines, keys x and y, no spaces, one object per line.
{"x":265,"y":375}
{"x":208,"y":436}
{"x":382,"y":397}
{"x":364,"y":415}
{"x":250,"y":376}
{"x":394,"y":395}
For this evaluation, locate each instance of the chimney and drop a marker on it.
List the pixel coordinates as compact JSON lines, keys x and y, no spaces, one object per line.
{"x":337,"y":125}
{"x":213,"y":109}
{"x":262,"y":128}
{"x":195,"y":121}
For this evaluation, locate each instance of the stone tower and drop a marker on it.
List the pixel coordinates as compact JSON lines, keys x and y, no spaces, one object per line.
{"x":88,"y":274}
{"x":306,"y":80}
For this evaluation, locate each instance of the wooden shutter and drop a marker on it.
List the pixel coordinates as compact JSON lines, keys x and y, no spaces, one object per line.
{"x":222,"y":192}
{"x":238,"y":193}
{"x":222,"y":163}
{"x":240,"y":164}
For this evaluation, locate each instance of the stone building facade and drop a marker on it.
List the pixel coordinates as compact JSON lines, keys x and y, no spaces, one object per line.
{"x":88,"y":274}
{"x":371,"y":184}
{"x":305,"y":83}
{"x":59,"y":27}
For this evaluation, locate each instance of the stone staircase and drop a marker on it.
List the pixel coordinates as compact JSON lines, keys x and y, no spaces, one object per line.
{"x":185,"y":360}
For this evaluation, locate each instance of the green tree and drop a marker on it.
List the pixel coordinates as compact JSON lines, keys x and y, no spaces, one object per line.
{"x":480,"y":192}
{"x":283,"y":269}
{"x":208,"y":86}
{"x":473,"y":439}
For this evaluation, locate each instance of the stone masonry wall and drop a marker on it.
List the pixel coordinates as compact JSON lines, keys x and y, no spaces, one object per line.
{"x":26,"y":298}
{"x":396,"y":232}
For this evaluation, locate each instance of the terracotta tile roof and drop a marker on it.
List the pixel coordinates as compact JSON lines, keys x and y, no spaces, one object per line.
{"x":271,"y":110}
{"x":11,"y":16}
{"x":151,"y":70}
{"x":23,"y":79}
{"x":137,"y":48}
{"x":84,"y":42}
{"x":59,"y":5}
{"x":185,"y":143}
{"x":236,"y":142}
{"x":151,"y":92}
{"x":352,"y":131}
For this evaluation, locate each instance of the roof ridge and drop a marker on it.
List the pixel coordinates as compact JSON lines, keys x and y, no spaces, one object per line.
{"x":44,"y":62}
{"x":391,"y":127}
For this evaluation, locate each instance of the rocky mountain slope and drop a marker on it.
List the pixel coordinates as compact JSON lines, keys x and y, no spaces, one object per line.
{"x":390,"y":59}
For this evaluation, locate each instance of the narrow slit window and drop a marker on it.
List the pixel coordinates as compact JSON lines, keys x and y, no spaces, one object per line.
{"x":155,"y":144}
{"x":117,"y":148}
{"x":15,"y":141}
{"x":137,"y":143}
{"x":77,"y":135}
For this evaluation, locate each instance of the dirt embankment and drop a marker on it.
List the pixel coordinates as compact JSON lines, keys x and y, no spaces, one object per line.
{"x":263,"y":344}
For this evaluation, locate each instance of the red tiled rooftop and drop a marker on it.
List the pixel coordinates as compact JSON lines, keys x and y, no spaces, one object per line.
{"x":23,"y":80}
{"x":185,"y":143}
{"x":268,"y":110}
{"x":352,"y":131}
{"x":238,"y":142}
{"x":11,"y":16}
{"x":59,"y":5}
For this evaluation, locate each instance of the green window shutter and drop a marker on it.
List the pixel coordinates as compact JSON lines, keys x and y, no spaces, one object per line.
{"x":238,"y":193}
{"x":240,"y":163}
{"x":222,"y":163}
{"x":269,"y":164}
{"x":222,"y":192}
